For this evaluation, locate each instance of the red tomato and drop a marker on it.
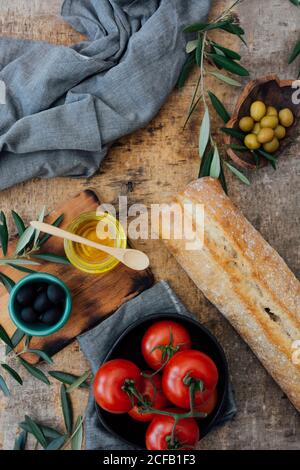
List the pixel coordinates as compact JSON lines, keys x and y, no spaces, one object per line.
{"x":151,"y":390}
{"x":189,"y":367}
{"x":109,"y":382}
{"x":209,"y":405}
{"x":162,"y":340}
{"x":158,"y":434}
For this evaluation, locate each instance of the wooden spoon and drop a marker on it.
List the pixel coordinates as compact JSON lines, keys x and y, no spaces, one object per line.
{"x":134,"y":259}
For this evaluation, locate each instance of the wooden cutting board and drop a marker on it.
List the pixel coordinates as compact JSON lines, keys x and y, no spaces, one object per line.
{"x":94,"y":296}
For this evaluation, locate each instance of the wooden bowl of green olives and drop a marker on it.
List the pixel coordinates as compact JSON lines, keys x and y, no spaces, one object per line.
{"x":263,"y":123}
{"x":40,"y":304}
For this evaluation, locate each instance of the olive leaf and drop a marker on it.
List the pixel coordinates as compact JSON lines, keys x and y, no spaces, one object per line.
{"x":198,"y":53}
{"x":191,"y":110}
{"x":229,"y":65}
{"x":205,"y":163}
{"x":77,"y":439}
{"x":12,"y":373}
{"x":56,"y":223}
{"x":82,"y":379}
{"x":186,"y":70}
{"x":223,"y":179}
{"x":66,"y":408}
{"x":24,"y":239}
{"x":50,"y":432}
{"x":233,"y":132}
{"x":34,"y":371}
{"x":191,"y":46}
{"x":27,"y":341}
{"x":225,"y":79}
{"x":3,"y":233}
{"x":204,"y":133}
{"x":20,"y":441}
{"x":5,"y":338}
{"x":295,"y":52}
{"x":18,"y":262}
{"x":40,"y":219}
{"x":15,"y":340}
{"x":22,"y":269}
{"x":51,"y":258}
{"x":272,"y":159}
{"x":193,"y":28}
{"x":240,"y":148}
{"x":4,"y":387}
{"x":236,"y":30}
{"x":215,"y":167}
{"x":7,"y":282}
{"x":219,"y":107}
{"x":66,"y":378}
{"x":56,"y":443}
{"x":228,"y":52}
{"x":42,"y":354}
{"x":19,"y":223}
{"x":36,"y":431}
{"x":238,"y":173}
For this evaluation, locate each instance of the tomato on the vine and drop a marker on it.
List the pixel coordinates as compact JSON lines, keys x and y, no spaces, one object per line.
{"x":189,"y":373}
{"x":159,"y":433}
{"x":151,"y":391}
{"x":210,"y":404}
{"x":162,"y":340}
{"x":111,"y":382}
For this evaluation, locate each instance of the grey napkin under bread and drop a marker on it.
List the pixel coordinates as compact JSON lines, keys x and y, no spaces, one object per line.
{"x":97,"y":342}
{"x":64,"y":106}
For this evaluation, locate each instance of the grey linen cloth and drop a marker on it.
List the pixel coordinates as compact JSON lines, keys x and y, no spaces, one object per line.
{"x":66,"y":105}
{"x":97,"y":342}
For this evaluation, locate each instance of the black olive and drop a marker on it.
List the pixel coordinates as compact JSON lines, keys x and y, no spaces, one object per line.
{"x":42,"y":303}
{"x":52,"y":316}
{"x":56,"y":294}
{"x":28,"y":315}
{"x":41,"y":286}
{"x":26,"y":295}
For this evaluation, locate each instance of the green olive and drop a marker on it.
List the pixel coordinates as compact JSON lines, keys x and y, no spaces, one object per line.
{"x":272,"y":146}
{"x":269,"y":121}
{"x":271,"y":111}
{"x":265,"y":135}
{"x":251,"y":142}
{"x":280,"y":132}
{"x":286,"y":117}
{"x":246,"y":124}
{"x":256,"y":128}
{"x":258,"y":110}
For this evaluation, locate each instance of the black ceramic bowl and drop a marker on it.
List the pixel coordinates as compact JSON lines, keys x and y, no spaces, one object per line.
{"x":128,"y":347}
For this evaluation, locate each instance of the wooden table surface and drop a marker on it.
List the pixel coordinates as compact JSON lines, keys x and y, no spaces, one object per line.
{"x":148,"y":167}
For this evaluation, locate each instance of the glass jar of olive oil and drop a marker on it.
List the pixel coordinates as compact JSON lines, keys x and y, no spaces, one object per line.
{"x":104,"y":229}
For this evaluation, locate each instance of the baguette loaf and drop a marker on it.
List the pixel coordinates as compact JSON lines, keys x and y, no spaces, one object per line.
{"x":247,"y":280}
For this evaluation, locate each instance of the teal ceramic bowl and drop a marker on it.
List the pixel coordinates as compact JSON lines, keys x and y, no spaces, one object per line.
{"x":38,"y":329}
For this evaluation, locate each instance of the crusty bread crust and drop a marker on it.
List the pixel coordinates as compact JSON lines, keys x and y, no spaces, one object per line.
{"x":247,"y":280}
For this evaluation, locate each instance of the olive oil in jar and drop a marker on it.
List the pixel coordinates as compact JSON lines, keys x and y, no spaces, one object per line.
{"x":90,"y":229}
{"x":103,"y":229}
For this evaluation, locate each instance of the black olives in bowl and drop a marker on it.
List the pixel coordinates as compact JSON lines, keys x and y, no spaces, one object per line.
{"x":40,"y":304}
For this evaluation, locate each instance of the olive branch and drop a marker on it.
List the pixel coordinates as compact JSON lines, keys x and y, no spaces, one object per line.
{"x":52,"y":439}
{"x":211,"y":58}
{"x":28,"y":252}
